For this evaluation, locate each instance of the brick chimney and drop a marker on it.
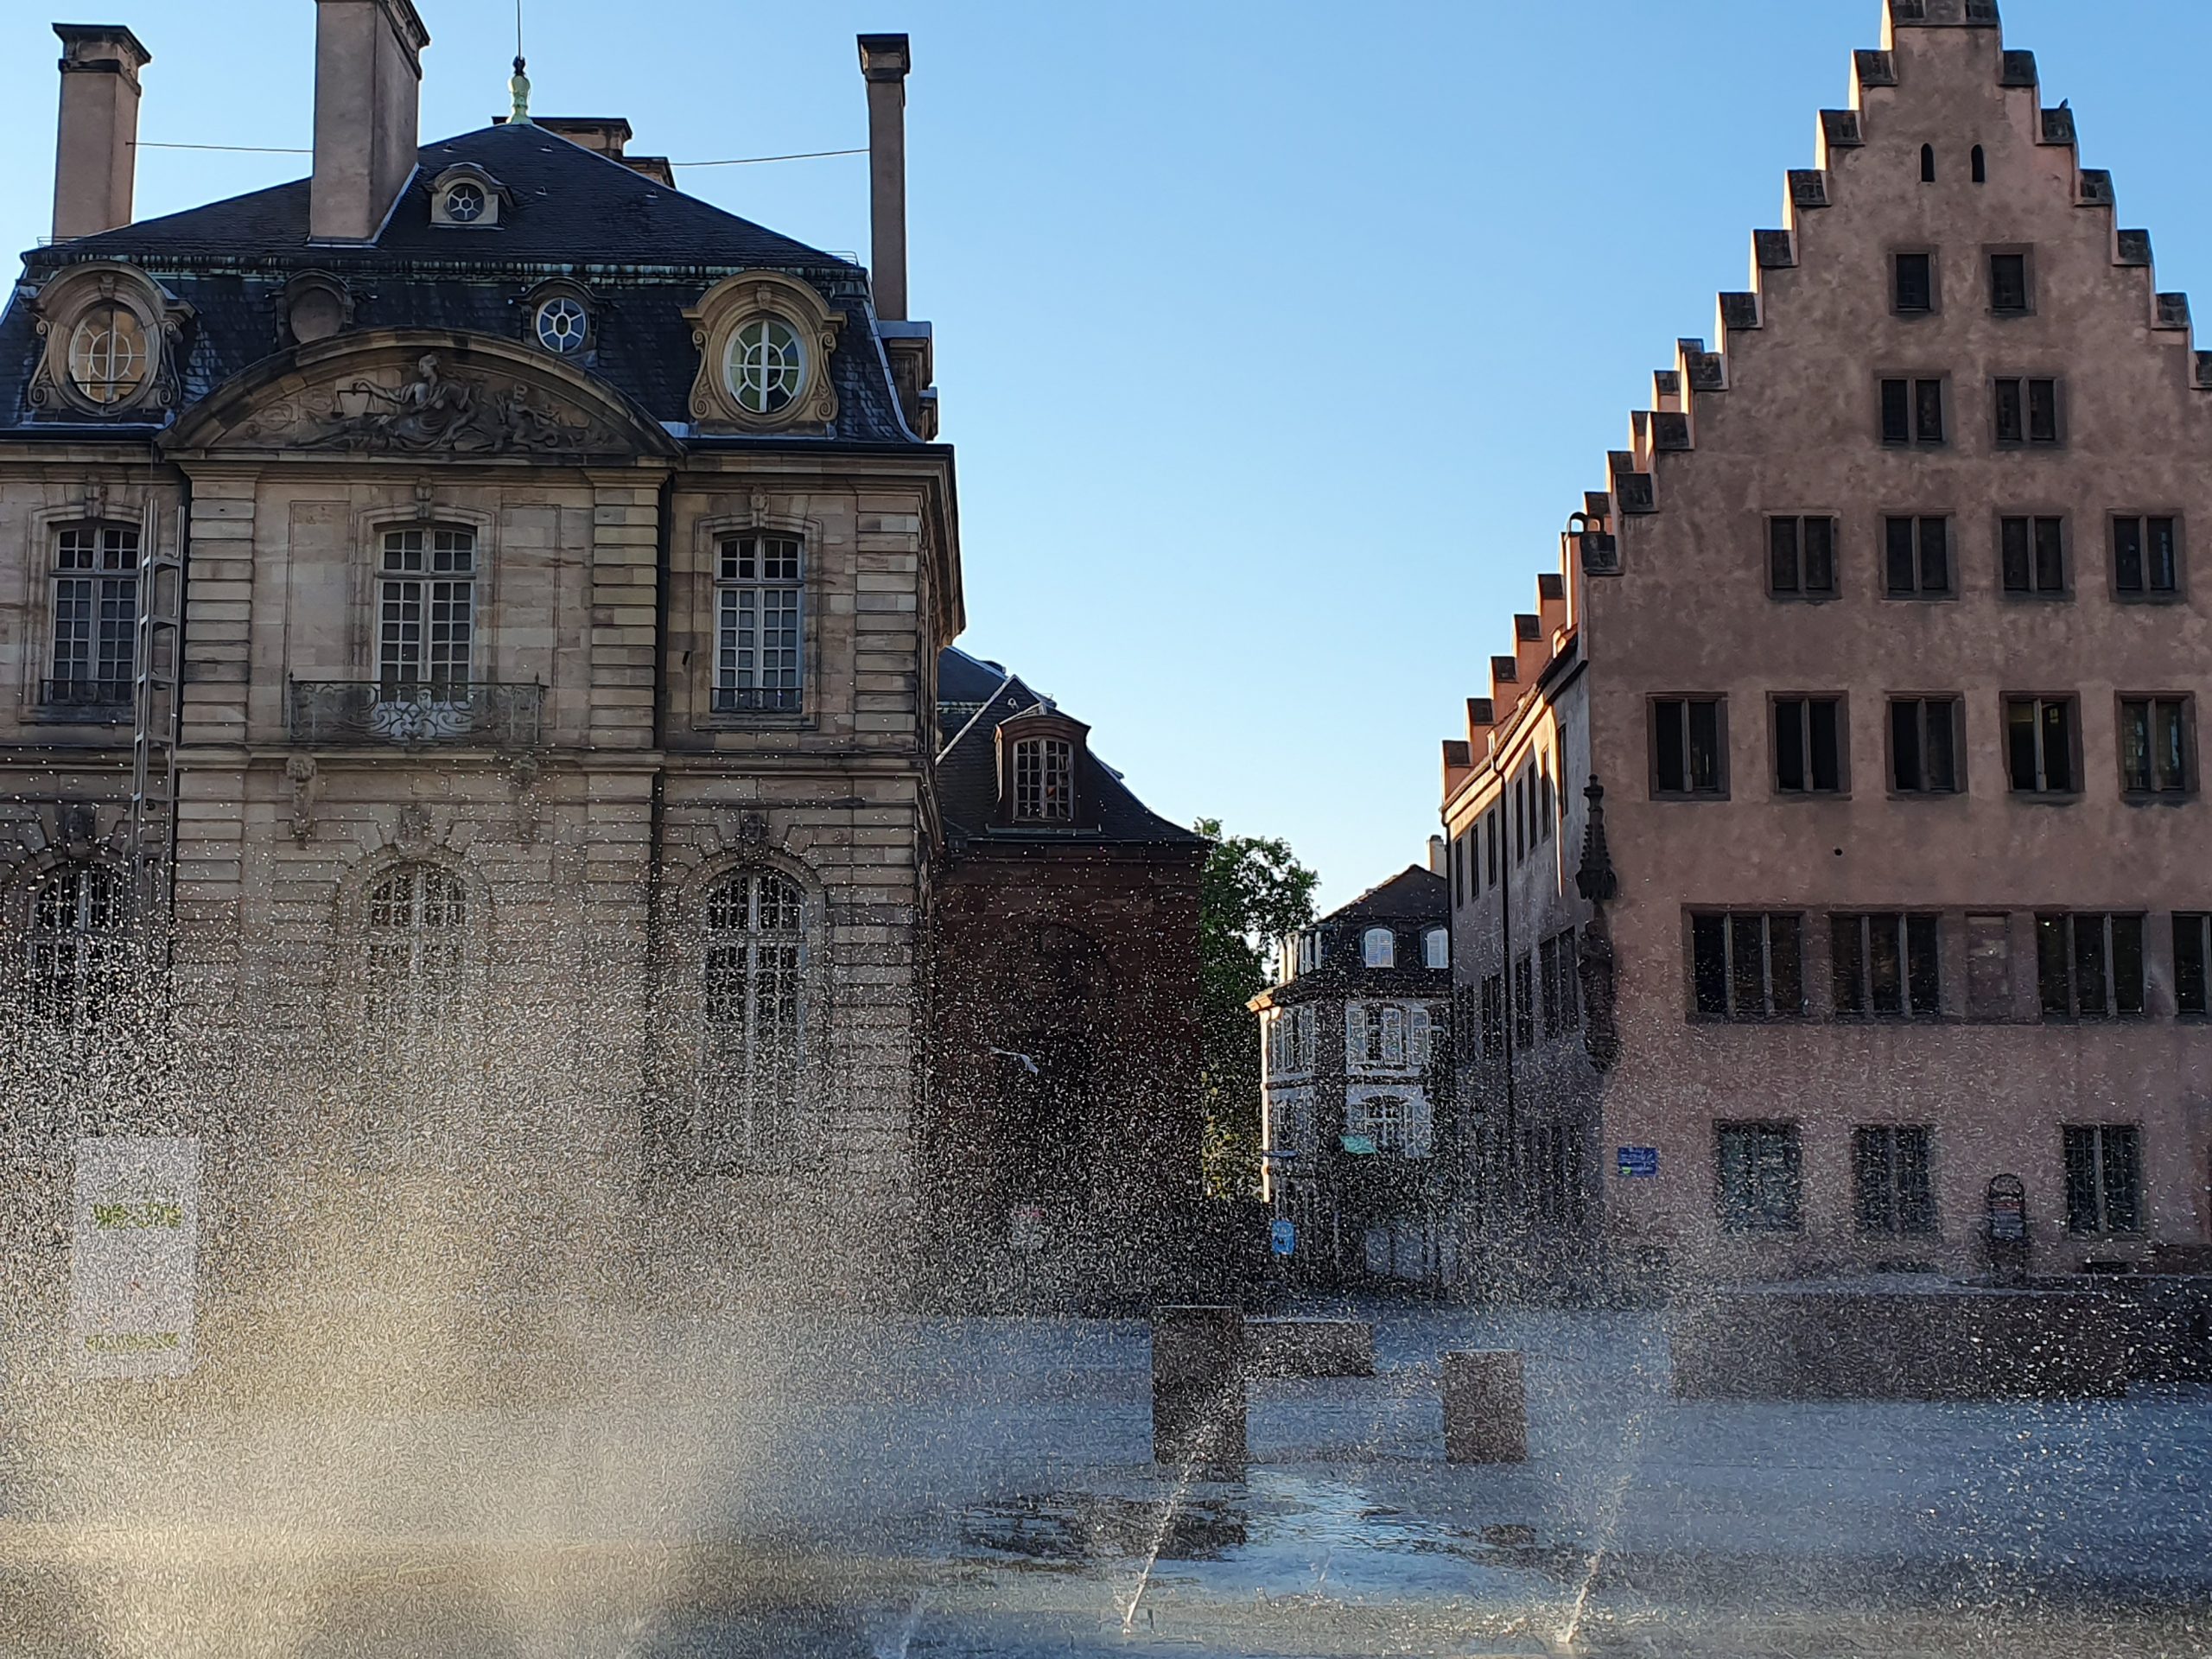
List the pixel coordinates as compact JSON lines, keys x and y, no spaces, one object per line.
{"x":96,"y":154}
{"x":368,"y":87}
{"x":884,"y":63}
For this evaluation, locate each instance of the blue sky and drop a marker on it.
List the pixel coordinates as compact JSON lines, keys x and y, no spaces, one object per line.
{"x":1277,"y":340}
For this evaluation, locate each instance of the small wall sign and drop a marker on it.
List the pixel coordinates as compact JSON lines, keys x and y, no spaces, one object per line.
{"x":1282,"y":1236}
{"x":1637,"y":1163}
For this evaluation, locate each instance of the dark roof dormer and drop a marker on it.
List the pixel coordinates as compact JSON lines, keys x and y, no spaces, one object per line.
{"x":1043,"y":755}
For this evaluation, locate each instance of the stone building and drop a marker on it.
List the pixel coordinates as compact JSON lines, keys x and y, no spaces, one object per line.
{"x":1355,"y":1102}
{"x":499,"y":599}
{"x":1830,"y":844}
{"x":1063,"y":1012}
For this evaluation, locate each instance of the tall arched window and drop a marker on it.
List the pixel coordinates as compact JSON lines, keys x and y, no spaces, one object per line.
{"x":74,"y":942}
{"x":753,"y":1013}
{"x":1981,"y":166}
{"x":416,"y":922}
{"x":1379,"y":950}
{"x":1928,"y":164}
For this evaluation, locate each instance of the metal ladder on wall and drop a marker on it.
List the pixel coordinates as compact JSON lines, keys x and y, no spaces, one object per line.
{"x":156,"y":711}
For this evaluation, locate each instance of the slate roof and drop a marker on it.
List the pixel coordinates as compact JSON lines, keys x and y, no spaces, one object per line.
{"x":645,"y":251}
{"x":1414,"y":893}
{"x":974,"y":698}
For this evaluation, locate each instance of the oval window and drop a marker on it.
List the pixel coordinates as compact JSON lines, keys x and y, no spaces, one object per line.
{"x":464,"y":203}
{"x":562,"y":325}
{"x":767,"y":365}
{"x":107,"y":353}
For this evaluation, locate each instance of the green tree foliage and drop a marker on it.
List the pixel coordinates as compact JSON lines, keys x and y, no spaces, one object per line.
{"x":1253,"y":891}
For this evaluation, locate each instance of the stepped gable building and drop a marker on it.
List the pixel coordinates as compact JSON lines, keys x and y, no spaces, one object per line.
{"x":1356,"y":1115}
{"x":1827,"y":853}
{"x":520,"y":586}
{"x":1064,"y":1011}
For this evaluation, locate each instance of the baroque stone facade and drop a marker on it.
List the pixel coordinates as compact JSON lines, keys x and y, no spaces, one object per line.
{"x":1827,"y":853}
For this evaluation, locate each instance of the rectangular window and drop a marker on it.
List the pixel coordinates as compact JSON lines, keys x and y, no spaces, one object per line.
{"x":1686,"y":753}
{"x":2156,"y":751}
{"x":1524,"y":1003}
{"x":1459,"y":872}
{"x":1747,"y":965}
{"x":1809,"y":745}
{"x":2026,"y":411}
{"x":2192,"y":953}
{"x":2039,"y":745}
{"x":2104,"y":1178}
{"x":2089,"y":965}
{"x":1801,"y":559}
{"x":1889,"y":1167}
{"x":1886,"y":965}
{"x":1912,"y":411}
{"x":1521,"y":817}
{"x":1913,"y":286}
{"x":2032,"y":554}
{"x":1490,"y":841}
{"x":1916,"y":557}
{"x":1561,"y":1002}
{"x":1924,"y":745}
{"x":2008,"y":283}
{"x":758,"y":597}
{"x":1494,"y":1014}
{"x":1392,"y":1023}
{"x":1989,"y":967}
{"x":426,"y":613}
{"x":1043,"y":780}
{"x":2146,"y":558}
{"x":1757,"y":1181}
{"x":95,"y":594}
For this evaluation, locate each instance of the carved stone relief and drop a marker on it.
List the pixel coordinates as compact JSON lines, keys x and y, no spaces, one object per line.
{"x":430,"y":412}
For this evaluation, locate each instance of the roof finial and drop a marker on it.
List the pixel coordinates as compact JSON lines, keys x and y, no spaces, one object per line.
{"x":520,"y":85}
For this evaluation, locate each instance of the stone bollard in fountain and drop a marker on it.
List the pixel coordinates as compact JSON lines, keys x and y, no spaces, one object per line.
{"x":1486,"y":1409}
{"x":1198,"y":1386}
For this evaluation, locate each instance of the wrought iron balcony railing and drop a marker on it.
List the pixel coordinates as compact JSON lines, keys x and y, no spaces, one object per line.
{"x":100,"y":699}
{"x":411,"y":712}
{"x":756,"y":700}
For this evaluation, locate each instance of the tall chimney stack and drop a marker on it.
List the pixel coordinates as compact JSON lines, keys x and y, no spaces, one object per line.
{"x":368,"y":99}
{"x":885,"y":61}
{"x":96,"y":154}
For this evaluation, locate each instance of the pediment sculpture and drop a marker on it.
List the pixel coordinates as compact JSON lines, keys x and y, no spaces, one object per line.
{"x":430,"y":412}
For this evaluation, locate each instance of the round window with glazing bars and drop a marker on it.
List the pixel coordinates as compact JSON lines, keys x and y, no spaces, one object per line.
{"x":563,"y":324}
{"x":767,"y":366}
{"x":107,"y":353}
{"x":464,"y":203}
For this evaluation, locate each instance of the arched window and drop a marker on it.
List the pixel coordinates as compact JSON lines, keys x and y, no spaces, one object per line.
{"x":1436,"y":948}
{"x":1980,"y":167}
{"x":752,"y":1005}
{"x":75,"y":943}
{"x":1378,"y":949}
{"x":1928,"y":164}
{"x":1043,"y":780}
{"x":416,"y":920}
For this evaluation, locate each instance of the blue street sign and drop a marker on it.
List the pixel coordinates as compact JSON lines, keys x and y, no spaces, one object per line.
{"x":1637,"y":1163}
{"x":1282,"y":1236}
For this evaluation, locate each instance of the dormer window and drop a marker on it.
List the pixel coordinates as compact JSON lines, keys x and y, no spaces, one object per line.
{"x":1378,"y":948}
{"x":561,"y":324}
{"x":767,"y":366}
{"x":1043,"y":780}
{"x":465,"y":197}
{"x":1436,"y":948}
{"x":765,"y":342}
{"x":108,"y":329}
{"x":108,"y":359}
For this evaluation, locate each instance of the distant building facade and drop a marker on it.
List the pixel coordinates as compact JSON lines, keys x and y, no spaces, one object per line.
{"x":1356,"y":1103}
{"x":1064,"y":1013}
{"x":1830,"y":845}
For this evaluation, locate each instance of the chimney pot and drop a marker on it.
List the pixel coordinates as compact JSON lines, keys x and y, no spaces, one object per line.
{"x":96,"y":151}
{"x":885,"y":61}
{"x":368,"y":98}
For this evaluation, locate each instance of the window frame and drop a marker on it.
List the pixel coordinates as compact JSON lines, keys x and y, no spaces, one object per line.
{"x":1973,"y":1006}
{"x":2098,"y":1137}
{"x":1776,"y":701}
{"x":727,"y":704}
{"x":1863,"y":928}
{"x":384,"y":577}
{"x":2108,"y":967}
{"x":1916,"y":384}
{"x":1368,"y":952}
{"x":713,"y":1139}
{"x":1892,"y":701}
{"x":2146,"y":594}
{"x":2187,"y":789}
{"x":1919,"y":592}
{"x":90,"y":947}
{"x":1653,"y":705}
{"x":1935,"y":305}
{"x":1895,"y":1221}
{"x":1736,"y":1219}
{"x":2042,"y":791}
{"x":2025,"y":254}
{"x":1802,"y":594}
{"x":2034,"y":518}
{"x":43,"y":632}
{"x":2026,"y":383}
{"x":2196,"y":925}
{"x":1771,"y":1013}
